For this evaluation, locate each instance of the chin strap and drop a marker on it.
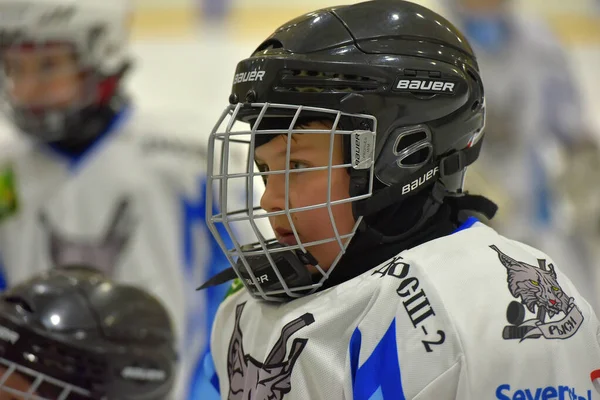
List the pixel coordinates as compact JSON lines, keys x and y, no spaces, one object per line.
{"x":220,"y":278}
{"x":291,"y":265}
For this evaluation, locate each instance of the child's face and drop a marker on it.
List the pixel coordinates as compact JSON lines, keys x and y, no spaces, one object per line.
{"x":42,"y":77}
{"x":306,"y":189}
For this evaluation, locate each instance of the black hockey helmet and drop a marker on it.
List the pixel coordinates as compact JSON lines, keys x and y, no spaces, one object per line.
{"x":398,"y":81}
{"x":74,"y":334}
{"x":392,"y":59}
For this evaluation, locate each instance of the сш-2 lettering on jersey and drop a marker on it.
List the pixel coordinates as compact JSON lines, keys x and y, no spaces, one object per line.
{"x":415,"y":301}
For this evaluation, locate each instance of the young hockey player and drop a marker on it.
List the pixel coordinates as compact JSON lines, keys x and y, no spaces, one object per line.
{"x":379,"y":283}
{"x":74,"y":334}
{"x":89,"y":181}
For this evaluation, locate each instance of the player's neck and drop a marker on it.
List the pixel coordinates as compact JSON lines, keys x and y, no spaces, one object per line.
{"x":73,"y":147}
{"x":96,"y":124}
{"x":366,"y":252}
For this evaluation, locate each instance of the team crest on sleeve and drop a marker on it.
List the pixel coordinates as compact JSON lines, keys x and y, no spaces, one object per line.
{"x":271,"y":380}
{"x":235,"y":287}
{"x":8,"y":193}
{"x":555,"y":314}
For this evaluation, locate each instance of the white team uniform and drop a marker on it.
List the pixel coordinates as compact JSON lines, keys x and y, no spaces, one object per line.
{"x":133,"y":205}
{"x":472,"y":315}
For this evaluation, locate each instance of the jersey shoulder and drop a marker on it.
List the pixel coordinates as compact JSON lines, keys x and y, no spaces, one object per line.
{"x":500,"y":304}
{"x":481,"y":265}
{"x":485,"y":282}
{"x":513,"y":299}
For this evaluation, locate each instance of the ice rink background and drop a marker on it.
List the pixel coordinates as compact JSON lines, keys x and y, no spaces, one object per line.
{"x":185,"y":61}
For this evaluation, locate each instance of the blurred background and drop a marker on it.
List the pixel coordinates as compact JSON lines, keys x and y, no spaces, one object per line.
{"x":539,"y":60}
{"x":187,"y":50}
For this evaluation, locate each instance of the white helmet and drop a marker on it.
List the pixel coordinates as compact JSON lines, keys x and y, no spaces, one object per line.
{"x":95,"y":31}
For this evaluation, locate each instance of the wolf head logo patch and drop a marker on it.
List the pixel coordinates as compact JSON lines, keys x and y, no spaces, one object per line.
{"x":271,"y":380}
{"x":537,"y":288}
{"x":102,"y":252}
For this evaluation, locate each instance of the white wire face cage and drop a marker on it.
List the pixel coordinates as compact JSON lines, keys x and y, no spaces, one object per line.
{"x":241,"y":226}
{"x":21,"y":383}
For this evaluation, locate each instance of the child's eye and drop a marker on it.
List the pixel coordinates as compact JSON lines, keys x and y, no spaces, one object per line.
{"x":298,"y":165}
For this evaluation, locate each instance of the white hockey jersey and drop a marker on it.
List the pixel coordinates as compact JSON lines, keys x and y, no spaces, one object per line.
{"x":133,"y":205}
{"x":470,"y":316}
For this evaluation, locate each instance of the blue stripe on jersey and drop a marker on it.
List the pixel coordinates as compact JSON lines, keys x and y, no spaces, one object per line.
{"x":467,"y":224}
{"x":194,"y":215}
{"x":75,"y":160}
{"x":355,"y":342}
{"x":3,"y":284}
{"x":379,"y":377}
{"x":206,"y":386}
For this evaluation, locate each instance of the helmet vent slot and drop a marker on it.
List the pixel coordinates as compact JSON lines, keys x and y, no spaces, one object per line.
{"x":311,"y":81}
{"x":417,"y":158}
{"x":413,"y":148}
{"x":409,"y":140}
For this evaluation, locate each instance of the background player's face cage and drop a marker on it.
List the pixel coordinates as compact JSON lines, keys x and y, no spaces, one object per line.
{"x":241,"y":226}
{"x":20,"y":383}
{"x":42,"y":83}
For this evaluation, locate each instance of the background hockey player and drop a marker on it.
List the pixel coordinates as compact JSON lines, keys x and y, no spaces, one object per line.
{"x":89,"y":180}
{"x":378,"y":282}
{"x":536,"y":135}
{"x":73,"y":334}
